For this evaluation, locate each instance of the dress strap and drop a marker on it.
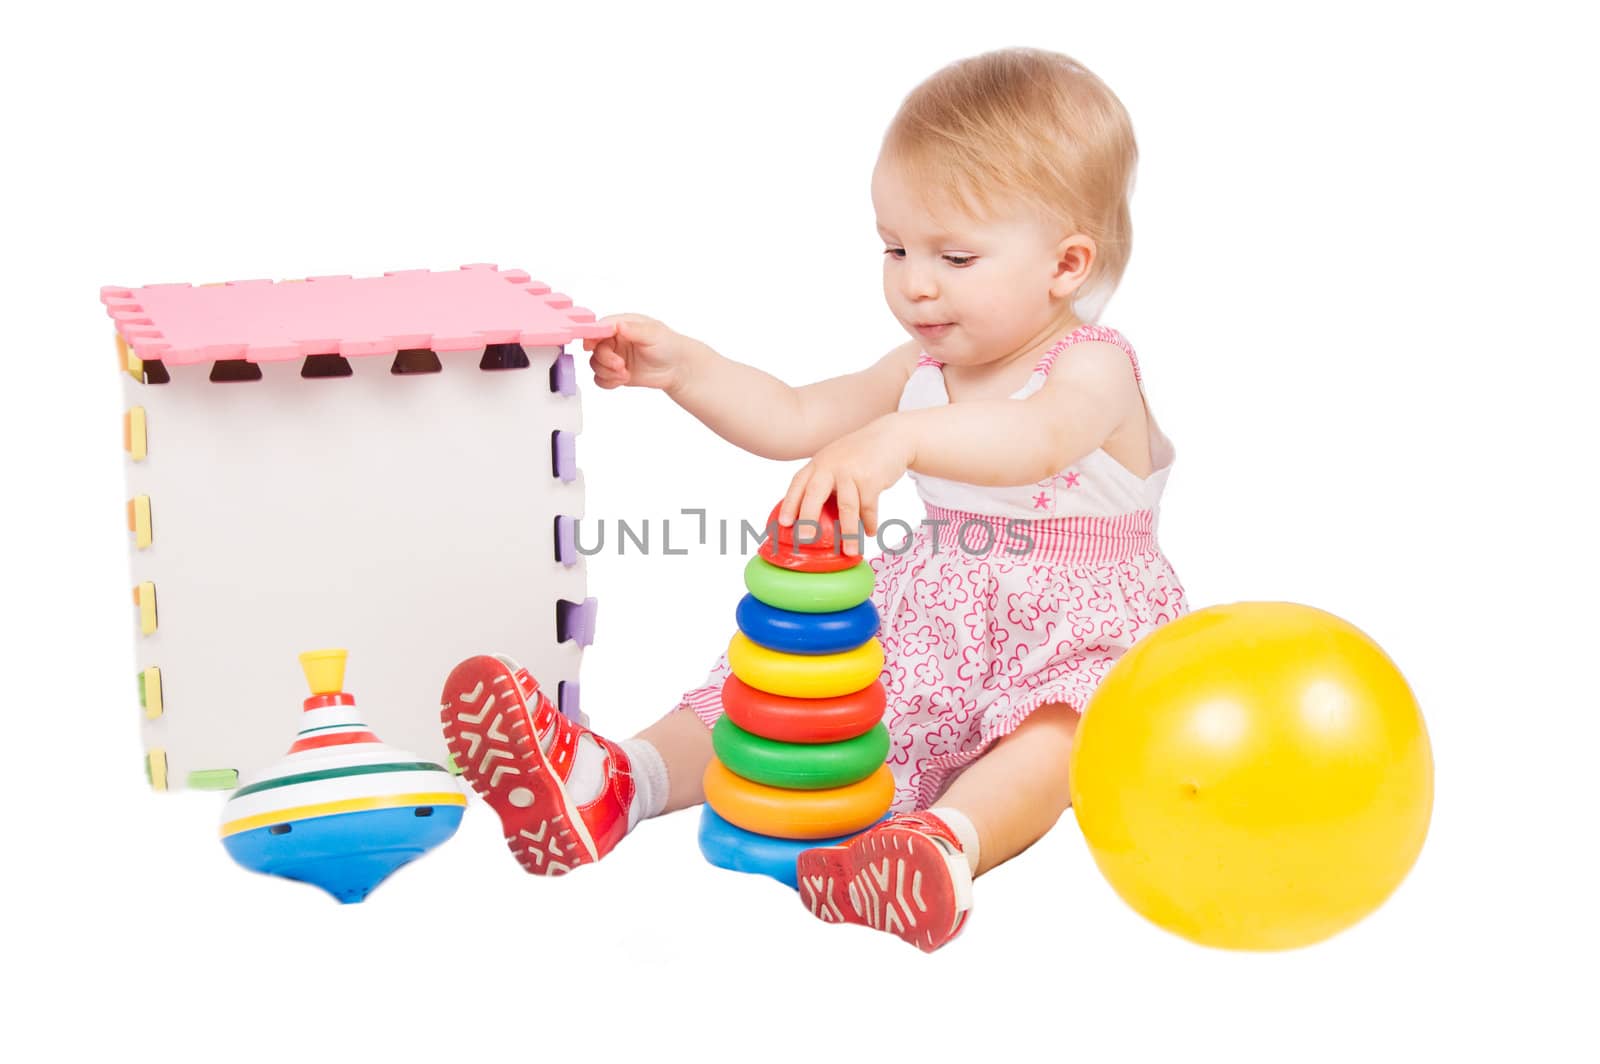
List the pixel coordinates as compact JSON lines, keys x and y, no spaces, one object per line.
{"x":1102,"y":334}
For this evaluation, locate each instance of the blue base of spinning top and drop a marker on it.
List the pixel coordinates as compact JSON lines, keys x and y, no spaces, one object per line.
{"x":346,"y":854}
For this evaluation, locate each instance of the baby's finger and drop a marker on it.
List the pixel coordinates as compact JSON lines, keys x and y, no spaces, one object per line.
{"x":611,"y":320}
{"x":849,"y":516}
{"x":791,"y":498}
{"x":608,"y":373}
{"x":869,"y":516}
{"x":635,"y":328}
{"x":816,"y":494}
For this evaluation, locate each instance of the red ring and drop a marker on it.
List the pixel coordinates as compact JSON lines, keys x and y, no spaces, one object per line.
{"x":824,"y":554}
{"x":803,"y":720}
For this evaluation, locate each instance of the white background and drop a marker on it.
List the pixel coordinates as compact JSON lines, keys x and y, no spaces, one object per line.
{"x":1361,"y":286}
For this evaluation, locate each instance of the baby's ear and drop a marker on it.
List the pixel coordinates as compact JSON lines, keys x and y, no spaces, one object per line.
{"x":1075,"y":255}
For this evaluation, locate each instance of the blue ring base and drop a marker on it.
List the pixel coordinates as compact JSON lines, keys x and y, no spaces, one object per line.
{"x":728,"y":846}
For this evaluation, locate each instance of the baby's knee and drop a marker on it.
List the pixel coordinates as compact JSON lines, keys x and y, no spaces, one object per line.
{"x":1055,"y":724}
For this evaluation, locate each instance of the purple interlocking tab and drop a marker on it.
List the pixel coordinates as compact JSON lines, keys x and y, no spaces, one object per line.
{"x":566,"y":540}
{"x":563,"y":455}
{"x":576,"y":621}
{"x":563,"y":378}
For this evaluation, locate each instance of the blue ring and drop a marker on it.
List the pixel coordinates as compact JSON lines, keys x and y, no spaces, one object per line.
{"x":791,"y":632}
{"x":738,"y":850}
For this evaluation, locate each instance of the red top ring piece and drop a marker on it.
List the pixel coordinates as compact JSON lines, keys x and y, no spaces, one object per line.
{"x":819,"y":549}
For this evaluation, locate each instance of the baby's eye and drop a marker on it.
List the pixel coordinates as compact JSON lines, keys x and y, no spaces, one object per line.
{"x":894,"y":251}
{"x":960,"y":260}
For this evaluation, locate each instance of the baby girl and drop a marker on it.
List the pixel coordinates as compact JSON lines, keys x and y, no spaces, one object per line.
{"x":1001,"y":194}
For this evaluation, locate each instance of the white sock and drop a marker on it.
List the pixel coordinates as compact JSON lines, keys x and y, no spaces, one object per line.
{"x":649,"y":780}
{"x":964,"y":831}
{"x":588,"y":776}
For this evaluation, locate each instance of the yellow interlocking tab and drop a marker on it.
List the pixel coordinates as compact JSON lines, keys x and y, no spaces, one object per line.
{"x":144,"y":596}
{"x":132,"y":363}
{"x":139,"y":521}
{"x":155,"y":768}
{"x":135,"y":434}
{"x":150,"y":692}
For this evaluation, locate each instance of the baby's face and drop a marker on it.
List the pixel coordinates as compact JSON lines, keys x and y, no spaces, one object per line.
{"x":970,"y":290}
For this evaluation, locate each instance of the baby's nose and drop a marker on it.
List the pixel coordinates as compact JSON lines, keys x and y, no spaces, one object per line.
{"x":918,"y":283}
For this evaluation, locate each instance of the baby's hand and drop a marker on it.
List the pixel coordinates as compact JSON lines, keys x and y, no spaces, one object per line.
{"x":856,"y":468}
{"x":642,"y":353}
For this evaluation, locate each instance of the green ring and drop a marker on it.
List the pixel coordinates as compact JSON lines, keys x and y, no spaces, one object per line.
{"x":808,"y":592}
{"x":799,"y":766}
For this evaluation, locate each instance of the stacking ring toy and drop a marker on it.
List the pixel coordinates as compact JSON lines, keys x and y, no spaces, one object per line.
{"x":803,"y":720}
{"x":738,"y":850}
{"x":801,"y":767}
{"x":805,"y":675}
{"x":798,"y":814}
{"x":808,"y":592}
{"x":806,"y":633}
{"x":819,"y":550}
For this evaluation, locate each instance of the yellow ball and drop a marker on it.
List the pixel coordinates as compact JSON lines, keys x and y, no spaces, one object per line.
{"x":1254,"y":776}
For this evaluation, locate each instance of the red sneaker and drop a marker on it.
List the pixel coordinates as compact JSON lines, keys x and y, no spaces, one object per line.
{"x":907,"y":876}
{"x":517,"y":750}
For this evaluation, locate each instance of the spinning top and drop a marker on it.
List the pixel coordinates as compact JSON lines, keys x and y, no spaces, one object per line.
{"x":342,"y":810}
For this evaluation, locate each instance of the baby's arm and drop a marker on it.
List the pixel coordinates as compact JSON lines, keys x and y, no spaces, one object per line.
{"x":1090,"y":394}
{"x":758,"y":412}
{"x":1087,"y":396}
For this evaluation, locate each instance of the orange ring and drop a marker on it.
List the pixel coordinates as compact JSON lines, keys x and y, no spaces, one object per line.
{"x":787,"y":814}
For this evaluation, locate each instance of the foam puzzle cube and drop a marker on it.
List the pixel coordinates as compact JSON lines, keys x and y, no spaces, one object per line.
{"x":385,"y":464}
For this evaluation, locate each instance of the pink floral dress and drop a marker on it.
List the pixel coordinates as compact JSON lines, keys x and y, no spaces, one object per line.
{"x":1007,"y":599}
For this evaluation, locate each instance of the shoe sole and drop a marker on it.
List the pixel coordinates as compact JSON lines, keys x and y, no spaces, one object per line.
{"x":489,"y":732}
{"x":891,"y":880}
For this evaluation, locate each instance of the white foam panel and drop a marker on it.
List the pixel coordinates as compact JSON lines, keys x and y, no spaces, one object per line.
{"x":407,"y":518}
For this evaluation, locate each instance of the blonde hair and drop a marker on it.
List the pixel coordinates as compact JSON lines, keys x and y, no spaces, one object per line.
{"x":1022,"y":123}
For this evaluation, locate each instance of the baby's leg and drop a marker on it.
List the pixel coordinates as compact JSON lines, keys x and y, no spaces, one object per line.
{"x":1019,"y":788}
{"x":684,"y":744}
{"x":565,"y":795}
{"x":912,"y":874}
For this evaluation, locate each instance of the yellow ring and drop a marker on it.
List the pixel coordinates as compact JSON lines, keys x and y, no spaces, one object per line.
{"x":787,"y":814}
{"x":804,"y":675}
